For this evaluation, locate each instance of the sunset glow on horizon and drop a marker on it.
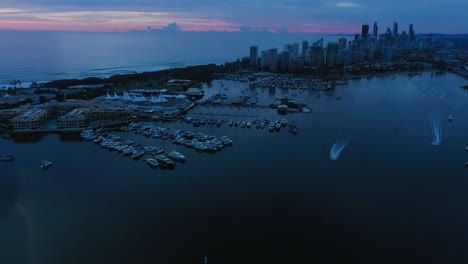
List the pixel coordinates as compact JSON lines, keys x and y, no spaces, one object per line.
{"x":341,"y":17}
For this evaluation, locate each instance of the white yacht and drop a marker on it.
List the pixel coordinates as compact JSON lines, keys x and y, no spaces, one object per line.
{"x":450,"y":118}
{"x":45,"y":164}
{"x":176,"y":156}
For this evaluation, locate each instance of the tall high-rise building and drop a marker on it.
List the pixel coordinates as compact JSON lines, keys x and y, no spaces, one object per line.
{"x":273,"y":59}
{"x":318,"y":43}
{"x":342,"y":43}
{"x":332,"y":54}
{"x":305,"y":48}
{"x":375,"y":30}
{"x":265,"y":62}
{"x":295,"y":50}
{"x":316,"y":55}
{"x":365,"y":31}
{"x":253,"y":56}
{"x":412,"y":36}
{"x":285,"y":58}
{"x":395,"y":29}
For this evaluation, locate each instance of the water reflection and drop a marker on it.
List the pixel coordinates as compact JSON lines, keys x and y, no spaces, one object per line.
{"x":15,"y":223}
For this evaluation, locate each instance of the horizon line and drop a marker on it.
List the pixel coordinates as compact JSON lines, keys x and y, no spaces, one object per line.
{"x":203,"y":31}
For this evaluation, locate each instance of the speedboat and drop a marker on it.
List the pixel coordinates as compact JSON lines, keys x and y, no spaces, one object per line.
{"x":45,"y":164}
{"x":284,"y":122}
{"x":165,"y":161}
{"x":450,"y":118}
{"x":466,"y":148}
{"x":7,"y":157}
{"x":152,"y":162}
{"x":176,"y":156}
{"x":249,"y":124}
{"x":230,"y":123}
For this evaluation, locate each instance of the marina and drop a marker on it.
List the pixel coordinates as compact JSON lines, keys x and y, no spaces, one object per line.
{"x":268,"y":190}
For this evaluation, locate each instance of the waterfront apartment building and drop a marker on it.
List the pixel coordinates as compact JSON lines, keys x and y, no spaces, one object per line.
{"x":332,"y":54}
{"x":31,"y":119}
{"x":375,"y":30}
{"x":316,"y":56}
{"x":77,"y":118}
{"x":365,"y":31}
{"x":273,"y":59}
{"x":264,"y":62}
{"x":253,"y":56}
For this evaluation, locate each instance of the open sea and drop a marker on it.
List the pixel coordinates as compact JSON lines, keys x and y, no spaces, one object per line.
{"x":390,"y":195}
{"x":46,"y":56}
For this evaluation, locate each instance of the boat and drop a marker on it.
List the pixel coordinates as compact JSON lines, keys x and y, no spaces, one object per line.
{"x":284,"y":122}
{"x":45,"y":164}
{"x":249,"y":124}
{"x":137,"y":154}
{"x":242,"y":124}
{"x":7,"y":158}
{"x":176,"y":156}
{"x":230,"y":123}
{"x":278,"y":126}
{"x":271,"y":127}
{"x":152,"y":162}
{"x":294,"y":129}
{"x":466,"y":148}
{"x":450,"y":118}
{"x":165,"y":161}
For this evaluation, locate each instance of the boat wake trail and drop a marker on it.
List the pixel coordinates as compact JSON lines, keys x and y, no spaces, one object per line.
{"x":436,"y":130}
{"x":339,"y":145}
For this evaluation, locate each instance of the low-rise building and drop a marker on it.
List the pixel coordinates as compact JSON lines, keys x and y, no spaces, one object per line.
{"x":31,"y":119}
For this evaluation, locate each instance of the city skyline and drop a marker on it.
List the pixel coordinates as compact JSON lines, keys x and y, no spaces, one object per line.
{"x":334,"y":17}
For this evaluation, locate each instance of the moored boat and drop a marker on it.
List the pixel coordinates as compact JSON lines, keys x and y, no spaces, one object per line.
{"x":164,"y":161}
{"x":152,"y":162}
{"x":176,"y":156}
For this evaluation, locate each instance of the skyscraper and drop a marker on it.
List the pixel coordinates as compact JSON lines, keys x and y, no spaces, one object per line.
{"x":375,"y":29}
{"x":273,"y":59}
{"x":316,"y":56}
{"x":342,"y":43}
{"x":332,"y":54}
{"x":412,"y":36}
{"x":365,"y":31}
{"x":253,"y":56}
{"x":265,"y":62}
{"x":395,"y":29}
{"x":305,"y":48}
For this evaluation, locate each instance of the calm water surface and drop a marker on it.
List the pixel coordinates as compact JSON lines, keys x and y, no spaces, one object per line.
{"x":391,"y":197}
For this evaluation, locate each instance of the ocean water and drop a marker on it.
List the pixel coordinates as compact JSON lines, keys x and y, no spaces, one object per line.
{"x":45,"y":56}
{"x":391,"y":195}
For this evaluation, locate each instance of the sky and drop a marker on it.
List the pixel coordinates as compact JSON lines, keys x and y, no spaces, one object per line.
{"x":292,"y":16}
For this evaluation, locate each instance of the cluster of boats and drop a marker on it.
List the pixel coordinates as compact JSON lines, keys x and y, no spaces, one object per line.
{"x":198,"y":141}
{"x":259,"y":123}
{"x":135,"y":151}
